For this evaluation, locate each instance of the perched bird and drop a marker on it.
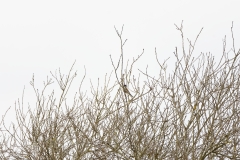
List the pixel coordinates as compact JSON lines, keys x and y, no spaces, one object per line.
{"x":195,"y":106}
{"x":125,"y":90}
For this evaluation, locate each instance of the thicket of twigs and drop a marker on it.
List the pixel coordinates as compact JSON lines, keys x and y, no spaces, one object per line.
{"x":190,"y":113}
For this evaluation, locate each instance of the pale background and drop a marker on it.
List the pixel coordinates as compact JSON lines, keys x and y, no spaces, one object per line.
{"x":41,"y":36}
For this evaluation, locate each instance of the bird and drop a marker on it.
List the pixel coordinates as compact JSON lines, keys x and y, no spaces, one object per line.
{"x":195,"y":106}
{"x":125,"y":90}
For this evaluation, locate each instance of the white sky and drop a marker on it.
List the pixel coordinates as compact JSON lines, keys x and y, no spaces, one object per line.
{"x":41,"y":36}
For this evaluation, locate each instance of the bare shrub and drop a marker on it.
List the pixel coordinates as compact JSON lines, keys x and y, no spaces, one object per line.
{"x":190,"y":113}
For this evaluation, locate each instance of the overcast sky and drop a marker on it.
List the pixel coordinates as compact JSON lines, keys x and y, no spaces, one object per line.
{"x":41,"y":36}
